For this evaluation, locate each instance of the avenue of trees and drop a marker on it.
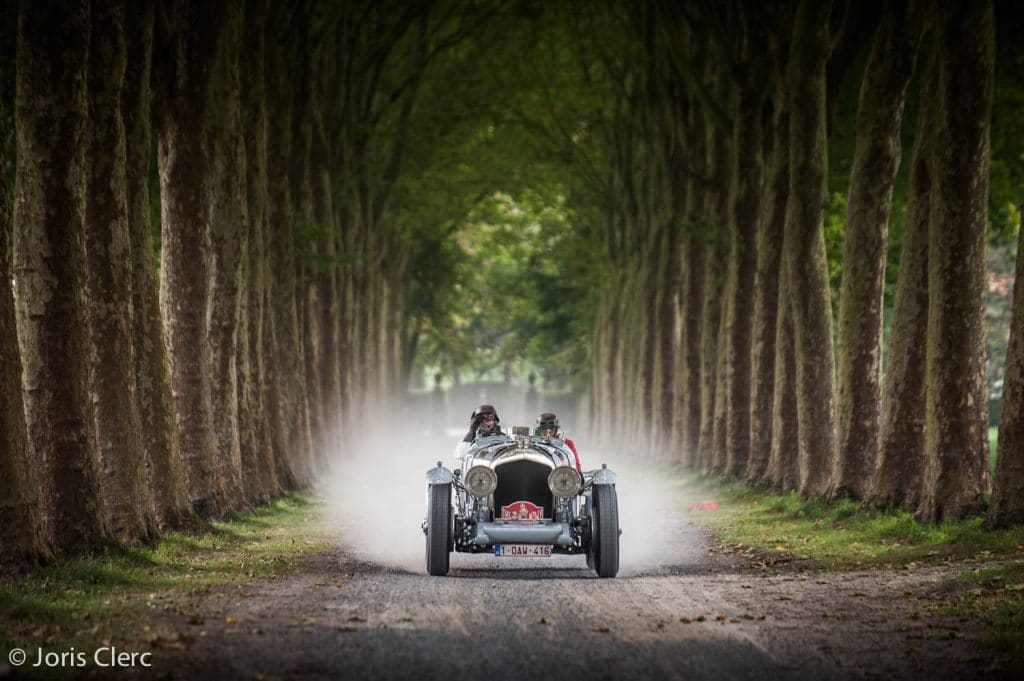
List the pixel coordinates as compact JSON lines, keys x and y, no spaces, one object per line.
{"x":717,"y":341}
{"x":233,"y":230}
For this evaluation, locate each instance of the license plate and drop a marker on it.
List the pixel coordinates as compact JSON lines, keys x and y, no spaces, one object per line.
{"x":529,"y":550}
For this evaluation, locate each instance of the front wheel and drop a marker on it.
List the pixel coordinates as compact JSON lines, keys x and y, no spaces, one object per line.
{"x":603,"y":554}
{"x":439,"y":528}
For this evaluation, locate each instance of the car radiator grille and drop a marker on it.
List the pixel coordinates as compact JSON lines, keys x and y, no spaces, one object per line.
{"x":523,"y":481}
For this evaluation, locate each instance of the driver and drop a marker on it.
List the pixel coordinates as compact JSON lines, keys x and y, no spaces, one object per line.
{"x":547,"y":426}
{"x":482,"y":423}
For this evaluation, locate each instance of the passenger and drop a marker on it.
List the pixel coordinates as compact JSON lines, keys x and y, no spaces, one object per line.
{"x":483,"y":423}
{"x":547,"y":426}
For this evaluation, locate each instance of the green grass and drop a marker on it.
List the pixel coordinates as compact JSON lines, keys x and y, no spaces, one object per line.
{"x":88,"y":600}
{"x":994,"y":598}
{"x":780,"y":528}
{"x":847,"y":535}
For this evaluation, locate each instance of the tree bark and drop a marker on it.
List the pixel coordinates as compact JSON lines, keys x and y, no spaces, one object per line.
{"x":902,"y":452}
{"x":259,"y":425}
{"x":876,"y":158}
{"x":783,"y":472}
{"x":22,"y":539}
{"x":123,"y":475}
{"x":766,"y":298}
{"x":186,"y":176}
{"x":693,"y":305}
{"x":805,"y":245}
{"x":1007,"y":505}
{"x":957,"y":470}
{"x":229,"y":228}
{"x":149,"y":354}
{"x":746,"y":210}
{"x":49,"y":263}
{"x":289,"y":355}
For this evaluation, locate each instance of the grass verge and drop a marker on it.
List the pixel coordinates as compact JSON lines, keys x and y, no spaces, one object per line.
{"x":95,"y":600}
{"x":986,"y":583}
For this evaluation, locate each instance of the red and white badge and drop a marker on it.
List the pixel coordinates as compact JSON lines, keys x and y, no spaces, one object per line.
{"x":522,"y":510}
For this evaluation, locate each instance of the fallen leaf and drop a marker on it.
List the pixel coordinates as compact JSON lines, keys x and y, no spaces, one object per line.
{"x":599,"y":630}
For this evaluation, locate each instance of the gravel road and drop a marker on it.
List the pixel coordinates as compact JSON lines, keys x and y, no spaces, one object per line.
{"x":707,"y":615}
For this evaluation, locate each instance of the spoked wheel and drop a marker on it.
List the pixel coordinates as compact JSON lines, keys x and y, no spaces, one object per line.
{"x":603,"y":555}
{"x":439,"y":528}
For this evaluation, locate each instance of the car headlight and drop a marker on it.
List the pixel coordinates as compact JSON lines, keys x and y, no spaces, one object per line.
{"x":481,"y":481}
{"x":564,"y":482}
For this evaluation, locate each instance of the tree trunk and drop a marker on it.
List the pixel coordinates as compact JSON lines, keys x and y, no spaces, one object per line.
{"x":668,"y":292}
{"x":22,"y":538}
{"x":123,"y":475}
{"x":49,"y":263}
{"x":805,"y":245}
{"x":289,"y":355}
{"x":902,"y":452}
{"x":783,"y":471}
{"x":229,"y":228}
{"x":957,"y":470}
{"x":329,"y":371}
{"x":1007,"y":505}
{"x":690,"y":376}
{"x":186,"y":175}
{"x":876,"y":158}
{"x":746,"y":209}
{"x":262,"y":447}
{"x":149,"y":355}
{"x":766,"y":299}
{"x":716,"y":252}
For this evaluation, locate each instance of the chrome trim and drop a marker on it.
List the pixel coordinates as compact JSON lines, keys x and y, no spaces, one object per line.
{"x":439,"y":476}
{"x":518,"y":455}
{"x":488,"y":534}
{"x":603,"y":476}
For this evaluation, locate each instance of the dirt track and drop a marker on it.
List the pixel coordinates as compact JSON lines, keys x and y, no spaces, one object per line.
{"x":707,"y":616}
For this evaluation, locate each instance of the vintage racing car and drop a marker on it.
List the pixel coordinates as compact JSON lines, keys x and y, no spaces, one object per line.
{"x":521,"y":495}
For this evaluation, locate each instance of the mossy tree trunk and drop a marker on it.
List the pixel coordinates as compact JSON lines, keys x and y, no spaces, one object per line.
{"x":149,"y":354}
{"x":229,"y":229}
{"x":49,"y":266}
{"x":22,"y":539}
{"x":116,"y":421}
{"x":957,"y":471}
{"x":746,"y":216}
{"x":187,"y":52}
{"x":289,"y":356}
{"x":876,"y":158}
{"x":766,"y":297}
{"x":805,"y":244}
{"x":899,"y":468}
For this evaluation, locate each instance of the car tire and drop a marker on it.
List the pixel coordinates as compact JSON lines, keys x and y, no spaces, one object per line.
{"x":439,"y":528}
{"x":604,"y":541}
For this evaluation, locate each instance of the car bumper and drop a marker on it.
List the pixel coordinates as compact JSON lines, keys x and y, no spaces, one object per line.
{"x":490,"y":533}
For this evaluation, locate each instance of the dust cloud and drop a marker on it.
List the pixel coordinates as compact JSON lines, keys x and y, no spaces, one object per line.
{"x":374,"y":496}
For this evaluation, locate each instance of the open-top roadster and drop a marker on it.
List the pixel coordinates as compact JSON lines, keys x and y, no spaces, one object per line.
{"x":521,"y":495}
